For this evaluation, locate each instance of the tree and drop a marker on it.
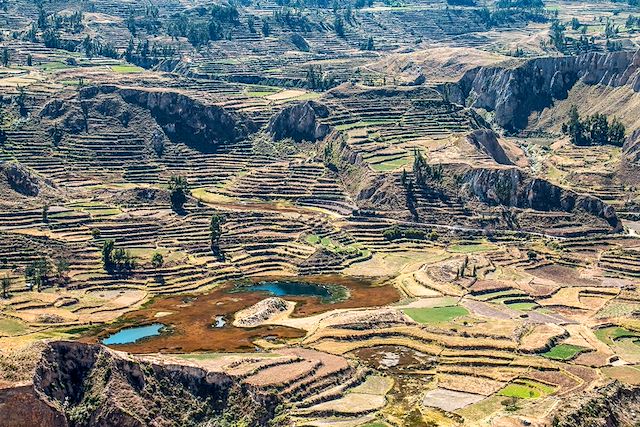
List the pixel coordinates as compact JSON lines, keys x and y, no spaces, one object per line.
{"x":62,"y":268}
{"x":107,"y":250}
{"x":131,"y":23}
{"x":593,"y":130}
{"x":87,"y":45}
{"x":266,"y":28}
{"x":157,"y":260}
{"x":6,"y":283}
{"x":574,"y":127}
{"x":42,"y":17}
{"x":121,"y":261}
{"x":45,"y":213}
{"x":157,"y":142}
{"x":84,"y":106}
{"x":179,"y":188}
{"x":38,"y":273}
{"x":338,"y":26}
{"x":29,"y":60}
{"x":21,"y":101}
{"x":598,"y":128}
{"x":56,"y":134}
{"x":3,"y":133}
{"x":5,"y":57}
{"x":215,"y":227}
{"x":368,"y":45}
{"x":616,"y":133}
{"x":557,"y":35}
{"x":575,"y":23}
{"x":128,"y":54}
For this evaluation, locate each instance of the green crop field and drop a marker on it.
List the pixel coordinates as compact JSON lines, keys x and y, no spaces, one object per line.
{"x":126,"y":69}
{"x":435,"y":314}
{"x":608,"y":335}
{"x":564,"y":352}
{"x":523,"y":306}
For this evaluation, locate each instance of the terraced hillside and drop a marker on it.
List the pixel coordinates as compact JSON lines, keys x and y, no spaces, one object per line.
{"x":306,"y":214}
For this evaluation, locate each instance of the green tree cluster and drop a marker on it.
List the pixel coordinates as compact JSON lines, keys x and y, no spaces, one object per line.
{"x":593,"y":130}
{"x":397,"y":232}
{"x":116,"y":260}
{"x":317,"y":80}
{"x":37,"y":273}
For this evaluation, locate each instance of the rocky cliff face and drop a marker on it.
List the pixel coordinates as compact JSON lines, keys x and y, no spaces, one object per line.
{"x":486,"y":141}
{"x":513,"y":187}
{"x":183,"y":119}
{"x":20,"y":179}
{"x":90,"y":385}
{"x":368,"y":189}
{"x":512,"y":93}
{"x":631,"y":148}
{"x":22,"y":407}
{"x":612,"y":405}
{"x":300,"y":122}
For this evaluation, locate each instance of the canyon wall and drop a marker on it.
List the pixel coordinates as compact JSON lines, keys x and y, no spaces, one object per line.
{"x":512,"y":92}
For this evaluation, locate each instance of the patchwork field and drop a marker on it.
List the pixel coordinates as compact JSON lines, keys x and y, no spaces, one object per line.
{"x":355,"y":214}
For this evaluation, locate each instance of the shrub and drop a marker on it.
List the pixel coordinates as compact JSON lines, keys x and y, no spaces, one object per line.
{"x":157,"y":260}
{"x":397,"y":232}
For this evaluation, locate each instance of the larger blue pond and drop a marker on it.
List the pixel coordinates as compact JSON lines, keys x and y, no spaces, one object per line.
{"x":131,"y":335}
{"x":284,"y":288}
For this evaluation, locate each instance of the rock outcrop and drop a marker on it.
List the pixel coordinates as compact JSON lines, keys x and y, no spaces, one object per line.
{"x":90,"y":385}
{"x":612,"y":405}
{"x":20,"y":179}
{"x":368,"y":189}
{"x":23,"y":407}
{"x":262,"y":311}
{"x":486,"y":141}
{"x":183,"y":119}
{"x":515,"y":188}
{"x":513,"y":92}
{"x":631,"y":148}
{"x":300,"y":122}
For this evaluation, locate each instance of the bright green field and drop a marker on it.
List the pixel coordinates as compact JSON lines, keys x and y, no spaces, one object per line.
{"x":608,"y":335}
{"x":53,"y":66}
{"x":564,"y":352}
{"x":523,"y":306}
{"x":435,"y":314}
{"x":526,"y":389}
{"x":390,"y":165}
{"x":126,"y":69}
{"x":335,"y":247}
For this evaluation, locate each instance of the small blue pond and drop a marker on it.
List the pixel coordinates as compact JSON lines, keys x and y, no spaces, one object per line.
{"x":285,"y":288}
{"x":131,"y":335}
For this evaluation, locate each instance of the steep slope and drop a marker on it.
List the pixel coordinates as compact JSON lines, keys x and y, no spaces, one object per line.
{"x":514,"y":187}
{"x":612,"y":405}
{"x":513,"y":92}
{"x":78,"y":384}
{"x":95,"y":386}
{"x":182,"y":118}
